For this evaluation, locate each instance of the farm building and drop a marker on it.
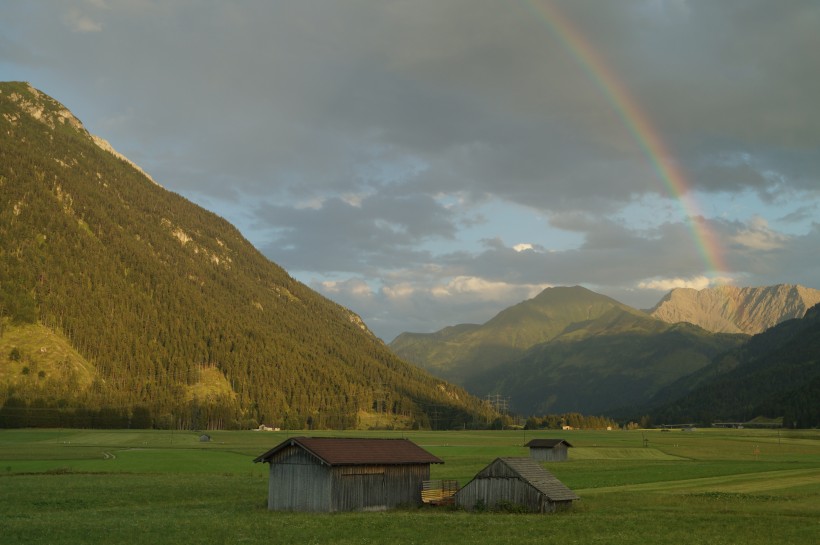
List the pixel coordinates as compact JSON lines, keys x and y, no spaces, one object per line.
{"x":345,"y":474}
{"x":549,"y":450}
{"x":515,"y":481}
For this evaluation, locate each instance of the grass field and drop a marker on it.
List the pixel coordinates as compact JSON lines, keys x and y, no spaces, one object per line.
{"x":126,"y":486}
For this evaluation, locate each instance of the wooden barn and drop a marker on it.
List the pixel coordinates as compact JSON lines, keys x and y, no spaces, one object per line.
{"x":549,"y":450}
{"x":328,"y":474}
{"x":515,"y":482}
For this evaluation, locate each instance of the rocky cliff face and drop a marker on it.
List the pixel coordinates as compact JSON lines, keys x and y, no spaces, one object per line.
{"x":731,"y":309}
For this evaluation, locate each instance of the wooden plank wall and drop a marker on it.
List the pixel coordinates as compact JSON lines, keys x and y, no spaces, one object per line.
{"x":489,"y":491}
{"x":378,"y":487}
{"x":556,"y":454}
{"x":298,"y":482}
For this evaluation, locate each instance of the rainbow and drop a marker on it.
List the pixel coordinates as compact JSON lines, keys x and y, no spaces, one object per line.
{"x":639,"y":125}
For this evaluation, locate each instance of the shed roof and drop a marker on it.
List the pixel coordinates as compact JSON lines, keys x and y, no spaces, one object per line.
{"x":530,"y":472}
{"x":335,"y":451}
{"x":547,"y":443}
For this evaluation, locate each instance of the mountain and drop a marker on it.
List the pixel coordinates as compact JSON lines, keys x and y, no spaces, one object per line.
{"x":602,"y":369}
{"x":124,"y":304}
{"x":775,"y":374}
{"x":458,"y":352}
{"x":731,"y":309}
{"x":568,"y":349}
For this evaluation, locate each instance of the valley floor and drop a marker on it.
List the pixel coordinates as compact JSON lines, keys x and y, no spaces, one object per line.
{"x":127,"y":486}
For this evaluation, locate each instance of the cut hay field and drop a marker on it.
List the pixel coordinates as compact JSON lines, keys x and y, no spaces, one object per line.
{"x":152,"y":487}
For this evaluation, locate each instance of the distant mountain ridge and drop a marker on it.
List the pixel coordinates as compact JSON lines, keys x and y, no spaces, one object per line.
{"x":567,"y":349}
{"x":456,"y":352}
{"x":570,"y":349}
{"x":732,"y":309}
{"x":123,"y":304}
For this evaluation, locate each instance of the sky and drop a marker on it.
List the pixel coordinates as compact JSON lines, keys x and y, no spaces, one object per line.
{"x":427,"y":163}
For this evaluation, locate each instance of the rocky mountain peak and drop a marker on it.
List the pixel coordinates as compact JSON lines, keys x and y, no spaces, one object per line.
{"x":52,"y":113}
{"x":733,"y":309}
{"x":40,"y":106}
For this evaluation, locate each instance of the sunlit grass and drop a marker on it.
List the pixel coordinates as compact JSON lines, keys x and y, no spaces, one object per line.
{"x":59,"y":487}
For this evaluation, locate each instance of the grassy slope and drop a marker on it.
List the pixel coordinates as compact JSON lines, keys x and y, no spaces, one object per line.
{"x":40,"y":349}
{"x":712,"y":486}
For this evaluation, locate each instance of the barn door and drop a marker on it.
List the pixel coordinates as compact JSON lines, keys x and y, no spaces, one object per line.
{"x":373,"y":491}
{"x":360,"y":488}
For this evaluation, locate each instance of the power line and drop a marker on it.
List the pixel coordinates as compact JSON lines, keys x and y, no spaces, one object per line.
{"x":500,"y":403}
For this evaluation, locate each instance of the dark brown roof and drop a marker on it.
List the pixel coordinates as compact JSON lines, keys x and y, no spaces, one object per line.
{"x":335,"y":451}
{"x":546,"y":443}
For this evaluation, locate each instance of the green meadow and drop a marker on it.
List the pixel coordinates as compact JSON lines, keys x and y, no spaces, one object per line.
{"x":649,"y":487}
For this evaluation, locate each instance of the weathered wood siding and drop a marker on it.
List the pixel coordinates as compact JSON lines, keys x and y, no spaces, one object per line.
{"x":499,"y":483}
{"x":377,"y":487}
{"x":489,"y":491}
{"x":299,"y":482}
{"x":558,"y":453}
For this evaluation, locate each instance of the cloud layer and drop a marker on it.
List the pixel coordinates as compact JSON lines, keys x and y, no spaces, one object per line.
{"x":428,"y":163}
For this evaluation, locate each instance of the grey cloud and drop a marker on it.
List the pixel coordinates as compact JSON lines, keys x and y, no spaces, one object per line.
{"x":393,"y":103}
{"x":609,"y":265}
{"x":258,"y":88}
{"x":612,"y":255}
{"x":802,"y":214}
{"x":378,"y":233}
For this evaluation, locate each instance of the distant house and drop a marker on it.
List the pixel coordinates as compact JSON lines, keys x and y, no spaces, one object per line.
{"x":549,"y":450}
{"x":326,"y":474}
{"x":263,"y":427}
{"x":515,"y":481}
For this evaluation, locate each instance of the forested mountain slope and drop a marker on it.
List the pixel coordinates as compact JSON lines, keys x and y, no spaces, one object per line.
{"x":567,"y":350}
{"x":608,"y":366}
{"x":775,"y":374}
{"x":122,"y":302}
{"x":460,"y":352}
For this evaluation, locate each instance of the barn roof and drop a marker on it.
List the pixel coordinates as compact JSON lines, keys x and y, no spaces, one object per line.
{"x":530,"y":472}
{"x":546,"y":443}
{"x":335,"y":451}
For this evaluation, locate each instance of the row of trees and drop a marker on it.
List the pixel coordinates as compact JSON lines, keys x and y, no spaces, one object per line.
{"x":573,"y":420}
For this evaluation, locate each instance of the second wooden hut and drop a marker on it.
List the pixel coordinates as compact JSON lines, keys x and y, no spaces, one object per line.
{"x":549,"y":450}
{"x":515,"y":482}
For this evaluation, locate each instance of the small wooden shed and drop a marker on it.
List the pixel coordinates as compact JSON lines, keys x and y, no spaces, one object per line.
{"x":326,"y":474}
{"x":549,"y":450}
{"x":515,"y":482}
